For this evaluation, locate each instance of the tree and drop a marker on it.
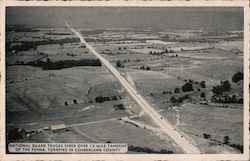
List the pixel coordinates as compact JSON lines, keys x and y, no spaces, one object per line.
{"x":217,"y":90}
{"x":226,"y":139}
{"x":172,"y":99}
{"x":206,"y":136}
{"x":75,"y":101}
{"x":118,"y":64}
{"x":187,"y":87}
{"x":237,"y":77}
{"x":177,"y":90}
{"x":66,"y":103}
{"x":147,"y":68}
{"x":203,"y":95}
{"x":48,"y":60}
{"x":203,"y":84}
{"x":226,"y":85}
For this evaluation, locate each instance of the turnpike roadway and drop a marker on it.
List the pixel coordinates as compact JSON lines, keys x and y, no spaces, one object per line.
{"x":142,"y":102}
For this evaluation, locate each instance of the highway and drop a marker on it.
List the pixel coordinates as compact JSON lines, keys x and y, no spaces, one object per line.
{"x":142,"y":102}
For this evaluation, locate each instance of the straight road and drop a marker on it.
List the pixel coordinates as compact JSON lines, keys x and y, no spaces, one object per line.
{"x":142,"y":102}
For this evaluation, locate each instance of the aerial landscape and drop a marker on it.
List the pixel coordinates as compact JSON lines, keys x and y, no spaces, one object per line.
{"x":105,"y":76}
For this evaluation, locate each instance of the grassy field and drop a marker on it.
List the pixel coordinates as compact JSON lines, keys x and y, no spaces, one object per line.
{"x":196,"y":119}
{"x":127,"y":133}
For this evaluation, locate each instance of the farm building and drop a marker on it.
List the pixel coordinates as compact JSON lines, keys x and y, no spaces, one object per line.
{"x":58,"y":127}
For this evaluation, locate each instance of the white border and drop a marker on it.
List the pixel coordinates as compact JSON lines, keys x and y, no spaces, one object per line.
{"x":144,"y":157}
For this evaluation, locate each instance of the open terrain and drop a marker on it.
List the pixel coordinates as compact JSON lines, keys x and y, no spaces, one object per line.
{"x":57,"y":90}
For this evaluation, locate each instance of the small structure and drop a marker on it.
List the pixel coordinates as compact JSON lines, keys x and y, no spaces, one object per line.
{"x":57,"y":127}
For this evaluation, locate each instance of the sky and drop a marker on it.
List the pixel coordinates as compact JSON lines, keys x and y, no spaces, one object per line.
{"x":182,"y":18}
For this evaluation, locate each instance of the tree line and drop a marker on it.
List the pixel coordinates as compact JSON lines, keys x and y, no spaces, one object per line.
{"x":148,"y":150}
{"x":49,"y":65}
{"x":27,"y":45}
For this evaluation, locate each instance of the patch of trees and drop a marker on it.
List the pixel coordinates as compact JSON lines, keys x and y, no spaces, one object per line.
{"x":162,"y":52}
{"x":203,"y":84}
{"x":119,"y":64}
{"x":148,"y":150}
{"x":101,"y":99}
{"x":166,"y":92}
{"x":119,"y":106}
{"x":145,"y":68}
{"x":174,"y":55}
{"x":16,"y":134}
{"x":187,"y":87}
{"x":226,"y":140}
{"x":82,"y":46}
{"x":237,"y":77}
{"x":27,"y":45}
{"x":18,"y":62}
{"x":192,"y":81}
{"x":206,"y":136}
{"x":91,"y":32}
{"x":179,"y":100}
{"x":170,"y":51}
{"x":236,"y":146}
{"x":177,"y":90}
{"x":20,"y":28}
{"x":49,"y":65}
{"x":223,"y":87}
{"x":69,"y":54}
{"x":203,"y":95}
{"x":225,"y":98}
{"x":58,"y":33}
